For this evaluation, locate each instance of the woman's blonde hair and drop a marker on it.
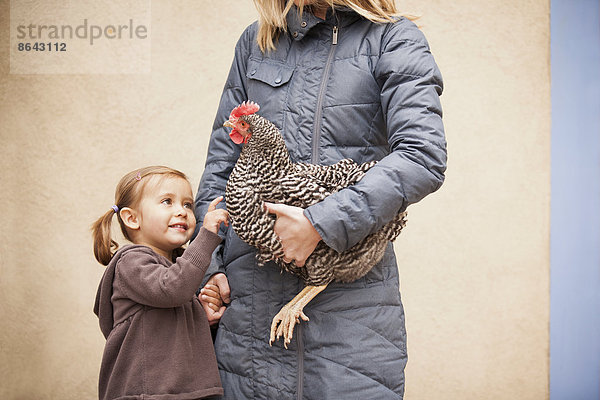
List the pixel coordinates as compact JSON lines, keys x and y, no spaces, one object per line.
{"x":272,"y":15}
{"x":129,"y":192}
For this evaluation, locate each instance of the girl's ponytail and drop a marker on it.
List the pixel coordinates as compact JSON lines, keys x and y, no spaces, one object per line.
{"x":103,"y":243}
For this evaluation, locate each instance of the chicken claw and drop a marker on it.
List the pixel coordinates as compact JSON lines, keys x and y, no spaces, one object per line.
{"x":286,"y":319}
{"x":284,"y":322}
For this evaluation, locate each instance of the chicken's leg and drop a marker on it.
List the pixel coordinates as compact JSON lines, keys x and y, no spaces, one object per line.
{"x":285,"y":320}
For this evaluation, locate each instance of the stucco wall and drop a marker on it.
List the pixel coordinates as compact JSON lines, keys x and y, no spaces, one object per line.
{"x":474,"y":260}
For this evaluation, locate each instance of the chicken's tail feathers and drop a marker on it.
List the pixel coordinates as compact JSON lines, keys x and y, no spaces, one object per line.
{"x":395,"y":226}
{"x":368,"y":165}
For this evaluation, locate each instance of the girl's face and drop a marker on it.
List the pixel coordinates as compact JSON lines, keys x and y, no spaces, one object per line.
{"x":166,"y":215}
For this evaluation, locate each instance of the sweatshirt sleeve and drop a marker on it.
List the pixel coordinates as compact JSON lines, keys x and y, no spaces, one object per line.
{"x":222,"y":152}
{"x":144,"y":278}
{"x":411,"y":84}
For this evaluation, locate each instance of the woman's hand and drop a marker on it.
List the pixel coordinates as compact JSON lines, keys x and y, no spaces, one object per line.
{"x":214,"y":296}
{"x":297,"y":235}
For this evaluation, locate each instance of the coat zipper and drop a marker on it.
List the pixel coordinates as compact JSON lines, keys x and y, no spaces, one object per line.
{"x":300,"y":354}
{"x":319,"y":111}
{"x":315,"y":160}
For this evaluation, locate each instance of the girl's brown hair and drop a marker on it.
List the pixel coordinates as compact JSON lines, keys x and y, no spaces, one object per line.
{"x":128,"y":194}
{"x":272,"y":15}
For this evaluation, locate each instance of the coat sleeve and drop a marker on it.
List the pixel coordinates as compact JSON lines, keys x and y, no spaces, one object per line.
{"x":222,"y":152}
{"x":144,"y":279}
{"x":410,"y":84}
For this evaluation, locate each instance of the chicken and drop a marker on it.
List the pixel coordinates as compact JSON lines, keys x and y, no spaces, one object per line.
{"x":264,"y":172}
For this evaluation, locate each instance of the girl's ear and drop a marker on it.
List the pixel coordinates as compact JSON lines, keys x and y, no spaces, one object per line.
{"x":130,"y":218}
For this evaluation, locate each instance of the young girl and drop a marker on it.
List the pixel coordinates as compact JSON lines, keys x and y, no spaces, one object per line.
{"x":158,"y":342}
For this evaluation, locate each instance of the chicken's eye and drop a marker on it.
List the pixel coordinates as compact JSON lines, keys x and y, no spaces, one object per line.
{"x":243,"y":124}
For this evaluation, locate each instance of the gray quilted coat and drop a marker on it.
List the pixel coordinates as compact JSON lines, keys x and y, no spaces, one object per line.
{"x":339,"y":88}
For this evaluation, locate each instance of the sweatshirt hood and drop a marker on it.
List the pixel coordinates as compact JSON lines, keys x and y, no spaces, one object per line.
{"x":103,"y":306}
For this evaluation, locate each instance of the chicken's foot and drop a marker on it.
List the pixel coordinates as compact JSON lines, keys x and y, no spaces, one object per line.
{"x":286,"y":319}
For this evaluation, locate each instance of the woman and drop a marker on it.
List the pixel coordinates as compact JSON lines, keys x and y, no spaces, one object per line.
{"x":341,"y":79}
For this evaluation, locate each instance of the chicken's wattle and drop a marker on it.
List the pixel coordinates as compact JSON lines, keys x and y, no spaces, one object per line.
{"x":237,"y":137}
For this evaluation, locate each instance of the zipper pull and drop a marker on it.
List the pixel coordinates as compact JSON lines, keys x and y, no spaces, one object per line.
{"x":335,"y":32}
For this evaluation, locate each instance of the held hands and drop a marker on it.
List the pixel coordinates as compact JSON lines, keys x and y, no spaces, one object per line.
{"x":213,"y":297}
{"x":216,"y":291}
{"x":214,"y":217}
{"x":297,"y":235}
{"x":298,"y":240}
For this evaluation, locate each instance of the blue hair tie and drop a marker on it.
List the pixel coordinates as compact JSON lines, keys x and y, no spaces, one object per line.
{"x":115,"y":208}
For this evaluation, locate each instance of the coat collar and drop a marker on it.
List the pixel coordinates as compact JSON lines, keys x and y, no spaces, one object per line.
{"x":298,"y":27}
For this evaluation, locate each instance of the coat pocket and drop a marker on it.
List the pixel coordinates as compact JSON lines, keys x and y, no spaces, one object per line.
{"x":268,"y":83}
{"x":268,"y":72}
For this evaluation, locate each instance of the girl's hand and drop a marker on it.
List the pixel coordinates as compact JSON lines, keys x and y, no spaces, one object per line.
{"x":213,"y":297}
{"x":297,"y":235}
{"x":214,"y":217}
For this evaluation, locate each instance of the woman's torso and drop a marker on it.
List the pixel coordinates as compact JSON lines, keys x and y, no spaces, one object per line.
{"x":325,"y":99}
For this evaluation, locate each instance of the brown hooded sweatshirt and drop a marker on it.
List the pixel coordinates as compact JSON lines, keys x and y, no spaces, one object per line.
{"x":158,"y":342}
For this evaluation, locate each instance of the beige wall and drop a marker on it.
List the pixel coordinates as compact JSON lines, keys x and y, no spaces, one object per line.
{"x":474,"y":260}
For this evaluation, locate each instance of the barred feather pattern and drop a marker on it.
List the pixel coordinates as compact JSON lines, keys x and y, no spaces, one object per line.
{"x":265,"y":173}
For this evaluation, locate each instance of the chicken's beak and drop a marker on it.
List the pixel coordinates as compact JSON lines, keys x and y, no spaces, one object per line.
{"x":228,"y":124}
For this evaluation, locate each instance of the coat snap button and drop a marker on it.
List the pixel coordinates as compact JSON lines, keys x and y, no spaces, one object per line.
{"x":252,"y":72}
{"x":278,"y":80}
{"x":295,"y":34}
{"x":303,"y":24}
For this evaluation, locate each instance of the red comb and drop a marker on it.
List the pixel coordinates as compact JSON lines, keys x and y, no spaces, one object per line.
{"x":246,"y":108}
